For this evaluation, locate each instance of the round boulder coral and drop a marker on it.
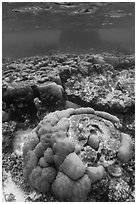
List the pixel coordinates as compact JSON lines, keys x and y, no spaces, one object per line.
{"x":70,"y":150}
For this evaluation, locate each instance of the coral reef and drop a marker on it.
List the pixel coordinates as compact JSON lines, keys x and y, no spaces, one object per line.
{"x":42,"y":84}
{"x":52,"y":162}
{"x":21,"y":98}
{"x":46,"y":94}
{"x":106,"y":85}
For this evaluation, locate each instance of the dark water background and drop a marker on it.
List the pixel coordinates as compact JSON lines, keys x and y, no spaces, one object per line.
{"x":44,"y":28}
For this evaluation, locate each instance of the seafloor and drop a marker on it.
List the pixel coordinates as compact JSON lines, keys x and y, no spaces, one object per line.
{"x":33,"y":87}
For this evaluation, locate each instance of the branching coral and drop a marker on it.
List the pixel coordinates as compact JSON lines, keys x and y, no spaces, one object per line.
{"x":57,"y":156}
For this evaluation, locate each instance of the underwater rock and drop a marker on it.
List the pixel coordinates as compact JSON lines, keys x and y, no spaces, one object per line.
{"x":18,"y":92}
{"x":55,"y":148}
{"x":50,"y":91}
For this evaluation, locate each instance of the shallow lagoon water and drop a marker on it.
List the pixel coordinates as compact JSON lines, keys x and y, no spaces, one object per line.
{"x":44,"y":28}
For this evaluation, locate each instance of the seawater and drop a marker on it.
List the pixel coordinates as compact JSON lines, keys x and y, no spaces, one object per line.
{"x":67,"y":28}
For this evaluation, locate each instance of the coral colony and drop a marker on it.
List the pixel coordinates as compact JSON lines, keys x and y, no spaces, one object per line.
{"x":53,"y":155}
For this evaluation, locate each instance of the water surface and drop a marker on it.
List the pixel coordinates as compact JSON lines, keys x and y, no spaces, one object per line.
{"x":42,"y":28}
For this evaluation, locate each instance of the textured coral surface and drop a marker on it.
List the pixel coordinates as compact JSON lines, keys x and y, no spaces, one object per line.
{"x":103,"y":81}
{"x":68,"y":172}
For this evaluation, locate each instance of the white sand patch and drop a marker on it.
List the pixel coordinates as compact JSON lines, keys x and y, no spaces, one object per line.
{"x":11,"y":192}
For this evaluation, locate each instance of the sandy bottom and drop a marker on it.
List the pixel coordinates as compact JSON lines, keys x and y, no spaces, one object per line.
{"x":11,"y":192}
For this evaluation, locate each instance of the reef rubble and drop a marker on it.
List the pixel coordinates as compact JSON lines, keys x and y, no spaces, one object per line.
{"x":104,"y":82}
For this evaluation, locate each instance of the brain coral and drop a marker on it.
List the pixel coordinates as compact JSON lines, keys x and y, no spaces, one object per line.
{"x":72,"y":149}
